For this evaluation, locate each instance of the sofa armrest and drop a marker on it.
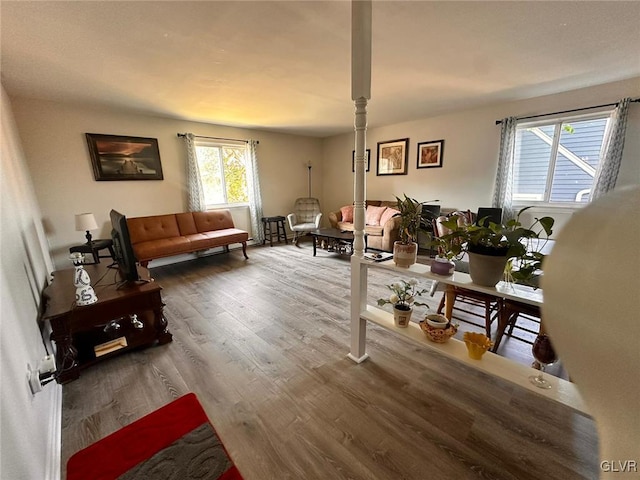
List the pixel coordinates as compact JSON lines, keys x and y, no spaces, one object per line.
{"x":318,"y":218}
{"x":334,"y":218}
{"x":391,"y":232}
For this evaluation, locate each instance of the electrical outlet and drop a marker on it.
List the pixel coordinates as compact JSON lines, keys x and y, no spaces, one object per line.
{"x":44,"y":374}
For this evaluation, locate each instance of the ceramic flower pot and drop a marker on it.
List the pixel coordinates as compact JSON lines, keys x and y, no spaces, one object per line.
{"x":402,"y":316}
{"x":438,"y":335}
{"x":486,"y":270}
{"x":405,"y":255}
{"x":442,"y":266}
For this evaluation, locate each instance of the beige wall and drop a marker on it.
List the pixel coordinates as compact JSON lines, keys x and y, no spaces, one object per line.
{"x":29,"y":425}
{"x":472,"y":141}
{"x":58,"y":158}
{"x":53,"y":139}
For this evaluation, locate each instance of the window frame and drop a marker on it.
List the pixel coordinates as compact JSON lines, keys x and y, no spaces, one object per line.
{"x":557,"y":122}
{"x":205,"y":142}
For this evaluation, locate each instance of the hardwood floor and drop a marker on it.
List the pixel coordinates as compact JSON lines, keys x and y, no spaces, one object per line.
{"x":263,"y":344}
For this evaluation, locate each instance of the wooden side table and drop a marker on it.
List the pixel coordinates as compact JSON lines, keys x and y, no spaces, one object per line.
{"x":126,"y":316}
{"x":93,"y":248}
{"x":268,"y":222}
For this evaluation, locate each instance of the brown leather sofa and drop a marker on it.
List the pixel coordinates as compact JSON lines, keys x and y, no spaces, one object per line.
{"x":160,"y":236}
{"x":379,"y":237}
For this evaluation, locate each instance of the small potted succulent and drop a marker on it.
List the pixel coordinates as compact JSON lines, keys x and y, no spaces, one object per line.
{"x":490,"y":246}
{"x":403,"y":299}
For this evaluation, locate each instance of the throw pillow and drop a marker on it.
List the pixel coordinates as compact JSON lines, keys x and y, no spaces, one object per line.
{"x":386,"y":216}
{"x":373,"y":215}
{"x":347,"y":213}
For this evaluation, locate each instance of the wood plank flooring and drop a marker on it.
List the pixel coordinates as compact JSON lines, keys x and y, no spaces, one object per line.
{"x":263,"y":344}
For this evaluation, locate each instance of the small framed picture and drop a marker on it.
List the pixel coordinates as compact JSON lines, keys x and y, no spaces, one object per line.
{"x":367,"y":155}
{"x":430,"y":154}
{"x":392,"y":157}
{"x":115,"y":157}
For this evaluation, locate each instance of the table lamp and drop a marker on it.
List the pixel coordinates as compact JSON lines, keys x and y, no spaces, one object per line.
{"x":86,"y":222}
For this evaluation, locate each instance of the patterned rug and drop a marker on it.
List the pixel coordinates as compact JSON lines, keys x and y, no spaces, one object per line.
{"x":174,"y":442}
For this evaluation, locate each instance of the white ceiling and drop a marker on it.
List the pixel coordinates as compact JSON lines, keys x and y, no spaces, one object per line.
{"x":286,"y":66}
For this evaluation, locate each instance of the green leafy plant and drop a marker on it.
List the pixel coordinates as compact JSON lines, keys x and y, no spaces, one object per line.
{"x":450,"y":245}
{"x":522,"y":245}
{"x":410,"y":219}
{"x":403,"y":294}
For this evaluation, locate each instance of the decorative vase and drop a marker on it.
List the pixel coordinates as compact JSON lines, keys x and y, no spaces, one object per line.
{"x":486,"y":270}
{"x":405,"y":255}
{"x":477,"y":344}
{"x":442,"y":266}
{"x":402,"y":315}
{"x":84,"y":292}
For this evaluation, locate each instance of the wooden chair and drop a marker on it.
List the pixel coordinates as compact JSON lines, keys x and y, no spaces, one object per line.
{"x":509,"y":314}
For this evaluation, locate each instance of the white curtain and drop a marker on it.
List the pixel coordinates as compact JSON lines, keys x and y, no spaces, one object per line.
{"x":195,"y":192}
{"x":503,"y":193}
{"x":255,"y":197}
{"x":607,"y":172}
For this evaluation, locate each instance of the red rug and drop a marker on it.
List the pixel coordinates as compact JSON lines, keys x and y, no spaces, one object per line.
{"x":176,"y":441}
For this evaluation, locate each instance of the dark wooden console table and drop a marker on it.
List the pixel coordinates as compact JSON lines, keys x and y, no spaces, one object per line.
{"x":126,"y":316}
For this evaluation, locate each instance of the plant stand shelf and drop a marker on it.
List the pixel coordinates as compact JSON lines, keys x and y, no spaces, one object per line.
{"x":562,"y":391}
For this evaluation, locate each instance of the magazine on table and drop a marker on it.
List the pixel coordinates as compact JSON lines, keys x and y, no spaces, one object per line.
{"x":378,"y":256}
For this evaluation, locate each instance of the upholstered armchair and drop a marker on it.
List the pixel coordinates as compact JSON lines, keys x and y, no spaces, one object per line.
{"x":305,"y":218}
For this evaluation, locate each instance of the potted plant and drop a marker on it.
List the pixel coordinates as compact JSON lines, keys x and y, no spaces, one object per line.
{"x":447,"y":245}
{"x":403,"y":298}
{"x":490,"y":245}
{"x":405,"y":250}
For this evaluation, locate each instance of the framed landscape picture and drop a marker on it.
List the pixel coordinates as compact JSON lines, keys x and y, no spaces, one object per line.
{"x":430,"y":154}
{"x":367,"y":156}
{"x":392,"y":157}
{"x":115,"y":157}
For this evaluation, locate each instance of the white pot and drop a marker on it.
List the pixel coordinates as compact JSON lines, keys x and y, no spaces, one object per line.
{"x":401,"y":318}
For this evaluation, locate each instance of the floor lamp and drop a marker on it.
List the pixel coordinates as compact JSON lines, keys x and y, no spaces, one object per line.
{"x":309,"y":176}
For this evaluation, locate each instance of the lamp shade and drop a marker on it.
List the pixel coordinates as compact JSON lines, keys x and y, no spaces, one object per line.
{"x":85,"y":222}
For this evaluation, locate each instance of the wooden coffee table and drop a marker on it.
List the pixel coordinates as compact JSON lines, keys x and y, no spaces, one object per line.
{"x":337,"y":240}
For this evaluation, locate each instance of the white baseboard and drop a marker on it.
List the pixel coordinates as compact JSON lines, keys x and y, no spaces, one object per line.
{"x":53,"y":460}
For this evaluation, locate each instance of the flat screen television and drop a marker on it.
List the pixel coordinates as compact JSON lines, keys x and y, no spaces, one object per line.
{"x":125,"y":257}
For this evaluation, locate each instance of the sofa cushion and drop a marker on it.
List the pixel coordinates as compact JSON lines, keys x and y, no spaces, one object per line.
{"x":345,"y":226}
{"x":376,"y":231}
{"x":163,"y":247}
{"x":224,"y":237}
{"x":347,"y":213}
{"x":387,"y":214}
{"x":213,"y":220}
{"x":373,"y":215}
{"x":157,"y":227}
{"x":186,"y":223}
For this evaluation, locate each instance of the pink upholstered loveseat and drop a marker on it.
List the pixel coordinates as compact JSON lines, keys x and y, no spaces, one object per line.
{"x":382,"y":223}
{"x":174,"y":234}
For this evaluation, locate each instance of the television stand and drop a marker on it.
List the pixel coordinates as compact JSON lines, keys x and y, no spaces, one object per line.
{"x":127,"y":316}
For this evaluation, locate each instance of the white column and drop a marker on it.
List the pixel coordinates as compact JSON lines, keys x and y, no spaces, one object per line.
{"x":360,"y":92}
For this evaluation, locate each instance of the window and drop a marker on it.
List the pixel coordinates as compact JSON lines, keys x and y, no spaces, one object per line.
{"x":223,"y":172}
{"x":555,"y":161}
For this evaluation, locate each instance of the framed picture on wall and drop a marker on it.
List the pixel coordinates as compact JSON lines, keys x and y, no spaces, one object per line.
{"x":115,"y":157}
{"x":430,"y":154}
{"x":367,"y":156}
{"x":392,"y":157}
